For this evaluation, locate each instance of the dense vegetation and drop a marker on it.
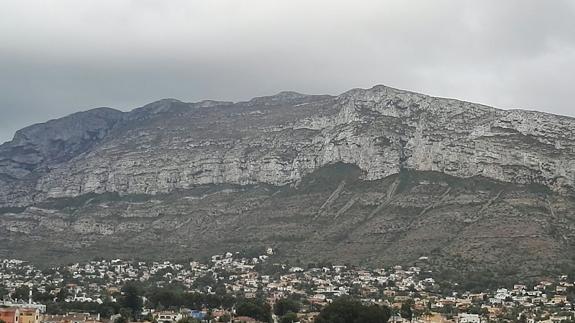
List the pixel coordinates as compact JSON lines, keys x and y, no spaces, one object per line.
{"x":347,"y":310}
{"x":255,"y":308}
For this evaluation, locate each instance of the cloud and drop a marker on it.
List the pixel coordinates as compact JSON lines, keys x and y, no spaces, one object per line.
{"x":61,"y":56}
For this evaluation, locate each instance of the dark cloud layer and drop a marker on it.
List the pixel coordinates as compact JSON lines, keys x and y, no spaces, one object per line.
{"x":61,"y":56}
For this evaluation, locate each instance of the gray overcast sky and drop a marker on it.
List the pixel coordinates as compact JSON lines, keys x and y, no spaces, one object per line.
{"x":62,"y":56}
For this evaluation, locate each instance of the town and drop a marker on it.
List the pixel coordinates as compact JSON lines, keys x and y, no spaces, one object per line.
{"x":242,"y":287}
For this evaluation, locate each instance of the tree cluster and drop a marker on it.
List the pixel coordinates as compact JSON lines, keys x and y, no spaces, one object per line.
{"x":255,"y":308}
{"x":347,"y":310}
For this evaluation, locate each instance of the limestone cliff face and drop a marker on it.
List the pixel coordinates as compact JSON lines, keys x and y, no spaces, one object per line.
{"x":464,"y":139}
{"x":38,"y":148}
{"x":277,"y":140}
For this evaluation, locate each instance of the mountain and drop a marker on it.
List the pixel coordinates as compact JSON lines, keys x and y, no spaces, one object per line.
{"x":369,"y":176}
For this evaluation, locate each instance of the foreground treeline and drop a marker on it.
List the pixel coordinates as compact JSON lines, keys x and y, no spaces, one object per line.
{"x":130,"y":301}
{"x":130,"y":304}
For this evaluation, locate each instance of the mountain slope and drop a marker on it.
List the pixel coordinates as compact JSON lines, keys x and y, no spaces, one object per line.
{"x":370,"y":175}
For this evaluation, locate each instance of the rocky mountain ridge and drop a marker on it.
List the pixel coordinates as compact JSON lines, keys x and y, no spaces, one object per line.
{"x":382,"y":130}
{"x":93,"y":172}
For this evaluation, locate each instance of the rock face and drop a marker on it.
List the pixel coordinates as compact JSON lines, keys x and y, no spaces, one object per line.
{"x":38,"y":148}
{"x":277,"y":140}
{"x":273,"y":143}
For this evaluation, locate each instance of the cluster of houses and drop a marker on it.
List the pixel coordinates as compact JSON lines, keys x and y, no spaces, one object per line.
{"x":249,"y":277}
